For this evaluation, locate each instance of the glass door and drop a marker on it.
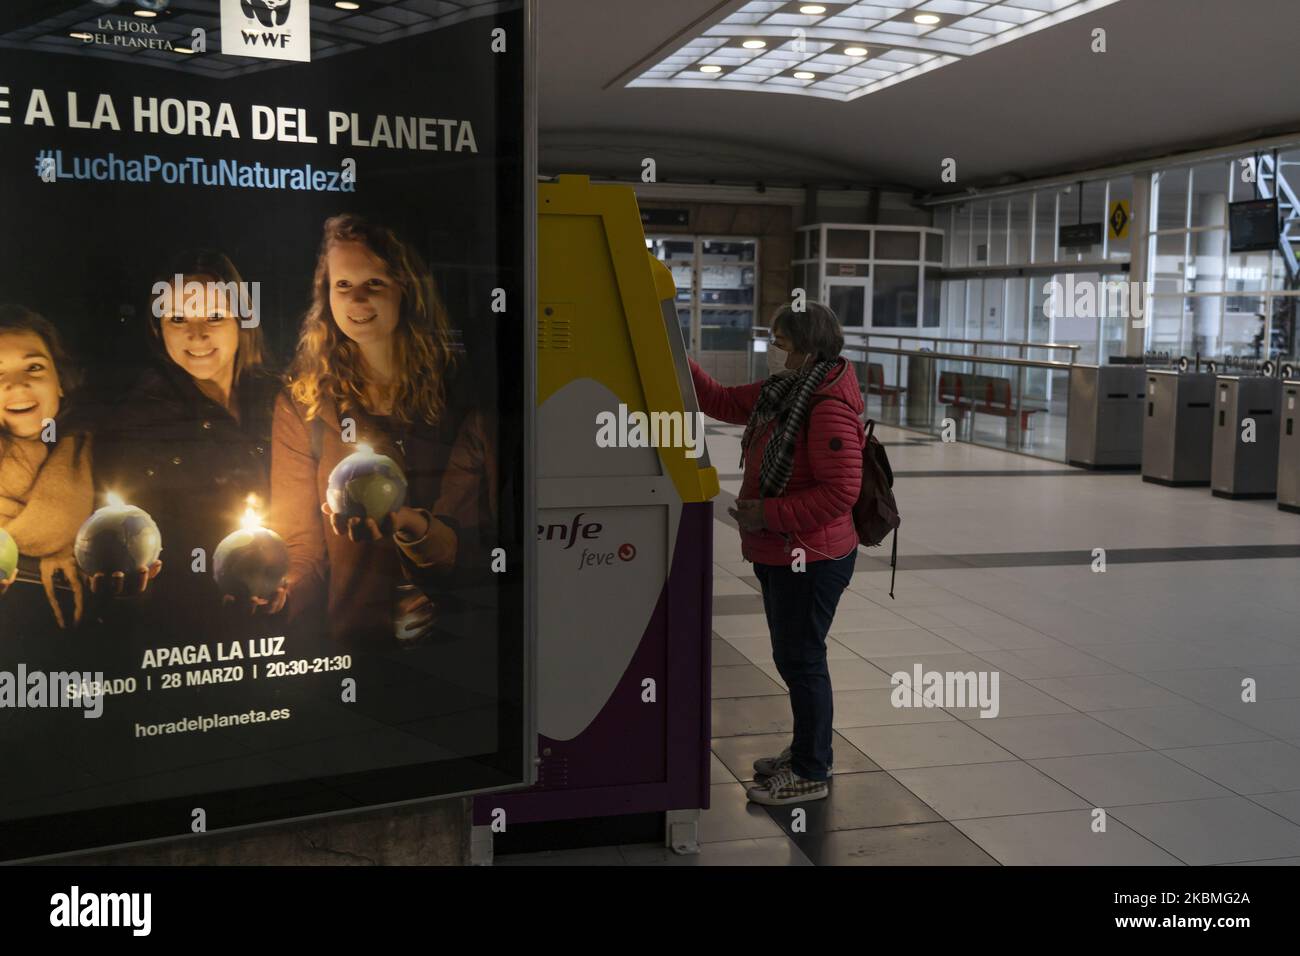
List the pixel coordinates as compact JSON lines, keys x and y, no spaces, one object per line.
{"x":678,"y":254}
{"x":848,"y":298}
{"x":728,"y":280}
{"x":717,"y":289}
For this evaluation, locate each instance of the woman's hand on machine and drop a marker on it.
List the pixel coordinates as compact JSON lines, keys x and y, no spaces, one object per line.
{"x":409,"y":522}
{"x":121,"y":584}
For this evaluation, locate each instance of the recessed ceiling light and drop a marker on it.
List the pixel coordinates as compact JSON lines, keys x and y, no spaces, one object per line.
{"x":182,"y":49}
{"x":754,"y":44}
{"x":82,"y":36}
{"x":710,"y":68}
{"x":927,"y":40}
{"x":805,"y":75}
{"x":347,"y":5}
{"x":146,"y":13}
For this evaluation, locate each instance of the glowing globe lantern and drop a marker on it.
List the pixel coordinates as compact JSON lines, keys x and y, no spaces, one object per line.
{"x":366,"y":485}
{"x":117,"y":537}
{"x":8,"y":555}
{"x":252,"y":561}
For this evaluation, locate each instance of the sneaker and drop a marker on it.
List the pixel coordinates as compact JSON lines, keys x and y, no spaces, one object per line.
{"x":767,"y":766}
{"x":788,"y":787}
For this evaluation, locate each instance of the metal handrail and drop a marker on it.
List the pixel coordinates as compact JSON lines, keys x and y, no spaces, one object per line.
{"x":876,"y":333}
{"x":944,"y":338}
{"x":977,"y":359}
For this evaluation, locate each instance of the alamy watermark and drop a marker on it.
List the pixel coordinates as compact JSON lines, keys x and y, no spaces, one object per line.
{"x":946,"y":689}
{"x":626,"y":429}
{"x":22,"y":689}
{"x":1086,"y":299}
{"x":197,"y":298}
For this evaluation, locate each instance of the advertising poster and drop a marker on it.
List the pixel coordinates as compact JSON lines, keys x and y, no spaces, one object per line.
{"x":264,"y":411}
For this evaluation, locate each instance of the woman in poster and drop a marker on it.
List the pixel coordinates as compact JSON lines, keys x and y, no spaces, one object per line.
{"x":373,"y":368}
{"x":45,"y":477}
{"x":191,"y":441}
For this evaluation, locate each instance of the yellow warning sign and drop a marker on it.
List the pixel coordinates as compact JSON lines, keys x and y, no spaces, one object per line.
{"x":1119,"y":219}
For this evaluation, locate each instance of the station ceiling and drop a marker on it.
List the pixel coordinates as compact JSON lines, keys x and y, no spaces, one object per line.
{"x":1176,"y":75}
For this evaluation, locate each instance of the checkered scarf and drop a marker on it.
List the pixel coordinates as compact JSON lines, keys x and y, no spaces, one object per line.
{"x":785,"y":397}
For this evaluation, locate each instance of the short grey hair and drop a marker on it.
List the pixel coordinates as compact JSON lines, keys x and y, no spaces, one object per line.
{"x":814,"y":331}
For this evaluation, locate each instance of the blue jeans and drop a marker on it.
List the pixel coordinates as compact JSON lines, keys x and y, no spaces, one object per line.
{"x":800,"y":606}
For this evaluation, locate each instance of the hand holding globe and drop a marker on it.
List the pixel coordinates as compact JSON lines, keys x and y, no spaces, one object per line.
{"x":251,"y":564}
{"x":365,"y":498}
{"x":8,"y":560}
{"x":117,"y":549}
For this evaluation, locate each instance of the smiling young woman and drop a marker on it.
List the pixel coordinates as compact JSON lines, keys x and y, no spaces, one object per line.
{"x":373,"y":366}
{"x":190,"y":440}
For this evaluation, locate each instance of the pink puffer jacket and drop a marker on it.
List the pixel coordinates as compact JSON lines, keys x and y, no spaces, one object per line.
{"x":815,"y":512}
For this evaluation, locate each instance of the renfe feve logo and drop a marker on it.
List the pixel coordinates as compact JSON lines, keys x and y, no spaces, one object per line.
{"x":75,"y":908}
{"x":267,"y":29}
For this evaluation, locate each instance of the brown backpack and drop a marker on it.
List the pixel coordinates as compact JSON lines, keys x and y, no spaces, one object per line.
{"x":875,"y":513}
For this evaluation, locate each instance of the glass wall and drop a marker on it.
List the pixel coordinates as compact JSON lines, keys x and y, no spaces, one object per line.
{"x":874,"y":277}
{"x":1206,"y":298}
{"x":1021,"y":231}
{"x":716,"y":280}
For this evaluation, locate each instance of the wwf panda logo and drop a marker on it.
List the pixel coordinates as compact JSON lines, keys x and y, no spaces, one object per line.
{"x":269,"y":13}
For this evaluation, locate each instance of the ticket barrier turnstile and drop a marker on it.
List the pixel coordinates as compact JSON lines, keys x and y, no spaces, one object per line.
{"x":1178,"y":427}
{"x":1104,"y":425}
{"x":1246,"y":431}
{"x":1288,"y":459}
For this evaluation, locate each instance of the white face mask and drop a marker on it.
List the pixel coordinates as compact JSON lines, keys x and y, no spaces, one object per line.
{"x":776,"y":359}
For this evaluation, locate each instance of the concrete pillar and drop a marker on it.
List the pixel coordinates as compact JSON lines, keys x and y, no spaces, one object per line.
{"x":429,"y":834}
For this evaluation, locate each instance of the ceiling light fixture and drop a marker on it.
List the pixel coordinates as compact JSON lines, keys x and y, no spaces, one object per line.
{"x":805,"y":75}
{"x":710,"y":68}
{"x":146,"y":13}
{"x":347,"y":5}
{"x":853,"y":47}
{"x":82,"y":36}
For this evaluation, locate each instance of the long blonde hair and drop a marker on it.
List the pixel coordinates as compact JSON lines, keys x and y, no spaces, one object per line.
{"x":328,"y":366}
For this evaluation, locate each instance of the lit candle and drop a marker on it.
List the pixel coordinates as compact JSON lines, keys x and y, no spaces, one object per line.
{"x":117,"y":537}
{"x":252,"y":561}
{"x":366,"y":484}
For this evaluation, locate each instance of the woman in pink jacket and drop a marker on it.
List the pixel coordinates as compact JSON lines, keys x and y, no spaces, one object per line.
{"x":802,"y":458}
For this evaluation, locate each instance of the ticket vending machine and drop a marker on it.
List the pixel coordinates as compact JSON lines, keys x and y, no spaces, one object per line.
{"x":1246,"y":432}
{"x":1288,"y":460}
{"x":625,"y":547}
{"x":1178,"y":428}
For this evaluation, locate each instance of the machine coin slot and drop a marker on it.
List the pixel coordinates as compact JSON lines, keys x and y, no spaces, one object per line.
{"x":1221,"y":418}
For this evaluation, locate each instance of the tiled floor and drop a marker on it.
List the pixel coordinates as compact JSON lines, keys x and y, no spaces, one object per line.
{"x":1125,"y":733}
